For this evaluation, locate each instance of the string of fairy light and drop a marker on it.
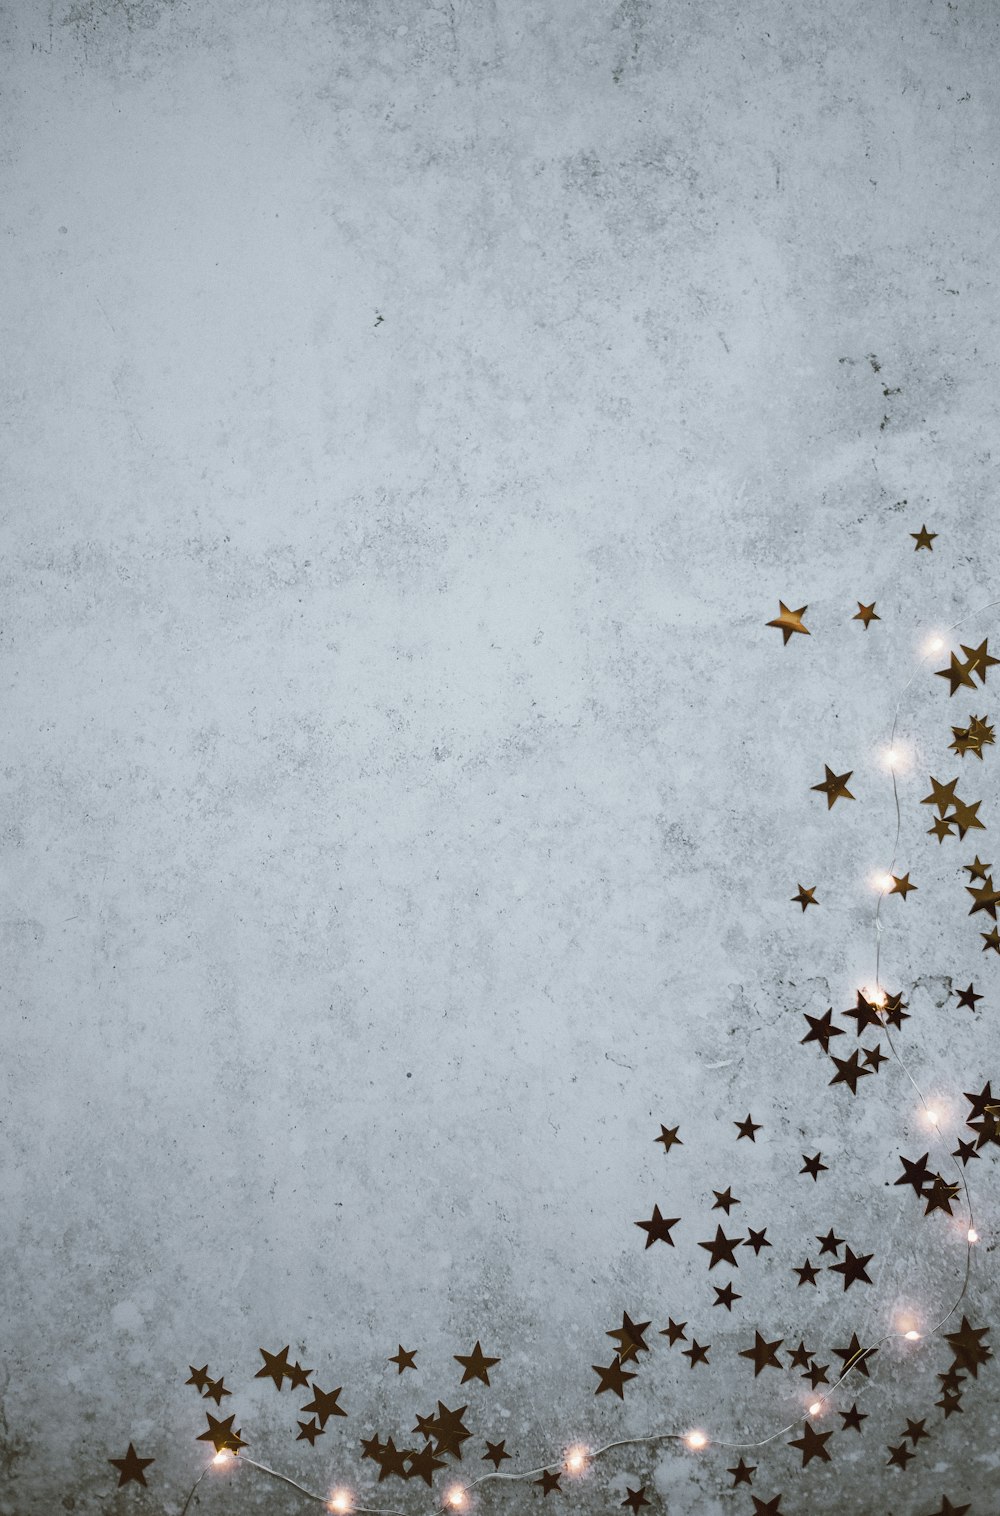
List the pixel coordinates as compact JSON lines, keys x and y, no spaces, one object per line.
{"x":576,"y":1460}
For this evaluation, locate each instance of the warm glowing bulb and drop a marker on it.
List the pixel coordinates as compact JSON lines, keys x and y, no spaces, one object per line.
{"x":912,"y":1336}
{"x":576,"y":1459}
{"x":883,"y":881}
{"x":895,"y":758}
{"x":815,"y":1408}
{"x":456,"y":1498}
{"x":972,"y":1234}
{"x":696,"y":1440}
{"x":933,"y":1117}
{"x":222,"y":1456}
{"x":340,"y":1501}
{"x":935,"y":644}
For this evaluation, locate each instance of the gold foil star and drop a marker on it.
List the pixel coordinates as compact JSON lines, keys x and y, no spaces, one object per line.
{"x":805,"y":897}
{"x":130,"y":1468}
{"x":404,"y":1359}
{"x":901,"y":886}
{"x":789,"y":621}
{"x":924,"y":539}
{"x":866,"y":613}
{"x":613,"y":1378}
{"x":221,"y":1435}
{"x":979,"y":659}
{"x":476,"y":1364}
{"x":958,"y":673}
{"x":834,"y":786}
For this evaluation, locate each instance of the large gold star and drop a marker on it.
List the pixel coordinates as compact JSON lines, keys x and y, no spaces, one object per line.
{"x":722,"y":1249}
{"x":985,"y":898}
{"x":324,"y":1404}
{"x":902,"y":885}
{"x":853,"y":1267}
{"x":979,"y":659}
{"x":657,"y":1228}
{"x":977,"y":869}
{"x":630,"y":1336}
{"x":812,"y":1444}
{"x":924,"y":539}
{"x":221,"y":1434}
{"x":834,"y":786}
{"x":941,"y":795}
{"x":475,"y":1364}
{"x":789,"y":621}
{"x":276,"y":1365}
{"x":130,"y":1468}
{"x":866,"y":613}
{"x":763,"y":1354}
{"x":613,"y":1378}
{"x":958,"y":673}
{"x":968,"y":1350}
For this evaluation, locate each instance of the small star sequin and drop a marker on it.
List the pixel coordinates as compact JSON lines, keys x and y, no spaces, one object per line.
{"x":276,"y":1367}
{"x":630,"y":1336}
{"x":764,"y":1354}
{"x":852,"y":1267}
{"x":221,"y":1434}
{"x":496,"y":1452}
{"x":613,"y":1378}
{"x":834,"y":786}
{"x":549,"y":1482}
{"x":324,"y":1404}
{"x":968,"y":997}
{"x":899,"y":1456}
{"x":789,"y":621}
{"x":853,"y":1418}
{"x":807,"y":1273}
{"x":814,"y":1166}
{"x":748,"y":1128}
{"x":725,"y":1296}
{"x":901,"y":885}
{"x":309,"y":1431}
{"x":675,"y":1331}
{"x":812,"y":1444}
{"x":131,"y":1467}
{"x":722,"y":1249}
{"x":657,"y":1228}
{"x":849,"y":1071}
{"x":669,"y":1138}
{"x":821,"y":1029}
{"x":831,"y":1243}
{"x":805,"y":897}
{"x":635,"y":1499}
{"x":924,"y":538}
{"x":866,"y":614}
{"x":743,"y":1473}
{"x":757,"y":1240}
{"x":724,"y":1200}
{"x":403,"y":1359}
{"x":476,"y":1364}
{"x":697,"y":1352}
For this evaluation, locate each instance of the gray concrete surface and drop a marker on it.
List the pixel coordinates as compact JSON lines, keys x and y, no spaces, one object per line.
{"x":412,"y":415}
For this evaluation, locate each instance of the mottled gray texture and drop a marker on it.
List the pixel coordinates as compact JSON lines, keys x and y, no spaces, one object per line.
{"x":402,"y":792}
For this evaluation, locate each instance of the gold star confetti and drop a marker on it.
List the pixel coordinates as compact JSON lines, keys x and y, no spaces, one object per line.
{"x":130,"y":1468}
{"x":635,"y":1499}
{"x":972,"y":738}
{"x":630,"y":1336}
{"x":496,"y":1452}
{"x":805,"y":897}
{"x":221,"y":1435}
{"x":975,"y":870}
{"x":275,"y":1366}
{"x":901,"y":886}
{"x":834,"y":786}
{"x":764,"y":1354}
{"x":199,"y":1378}
{"x":404,"y":1359}
{"x":958,"y":674}
{"x":324,"y":1404}
{"x":722,"y":1249}
{"x":812,"y":1444}
{"x":613,"y":1378}
{"x":697,"y":1352}
{"x":985,"y":899}
{"x":747,"y":1128}
{"x":549,"y":1482}
{"x":968,"y":1350}
{"x":669,"y":1138}
{"x":657,"y":1228}
{"x":979,"y":659}
{"x":967,"y":997}
{"x":866,"y":613}
{"x":789,"y":621}
{"x":924,"y":539}
{"x":743,"y":1473}
{"x":475,"y":1364}
{"x":852,"y":1267}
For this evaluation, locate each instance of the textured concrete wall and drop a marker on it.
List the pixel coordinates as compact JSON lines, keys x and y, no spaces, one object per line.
{"x":412,"y":415}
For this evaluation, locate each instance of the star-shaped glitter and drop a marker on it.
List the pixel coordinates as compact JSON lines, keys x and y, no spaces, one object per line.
{"x":309,"y":1431}
{"x":834,"y":786}
{"x":130,"y":1468}
{"x":422,"y":1465}
{"x":813,"y":1166}
{"x":968,"y":1350}
{"x":916,"y":1430}
{"x":748,"y":1128}
{"x":941,"y":795}
{"x":965,"y":1151}
{"x":475,"y":1364}
{"x":275,"y":1366}
{"x":865,"y":1013}
{"x":977,"y":869}
{"x":496,"y":1452}
{"x":940,"y":1195}
{"x":549,"y":1482}
{"x":763,"y":1353}
{"x":947,"y":1509}
{"x":821,"y":1029}
{"x":966,"y":816}
{"x":853,"y":1418}
{"x":392,"y":1461}
{"x":901,"y":885}
{"x":800,"y":1358}
{"x":722,"y":1249}
{"x":298,"y":1377}
{"x":805,"y":897}
{"x":817,"y":1374}
{"x":766,"y":1507}
{"x":831,"y":1243}
{"x":635,"y":1499}
{"x":675,"y":1331}
{"x":979,"y":659}
{"x":657,"y":1228}
{"x":324,"y":1404}
{"x":940,"y":828}
{"x":950,"y":1403}
{"x":404,"y":1359}
{"x":866,"y":613}
{"x":724,"y":1200}
{"x":757,"y":1240}
{"x":215,"y":1389}
{"x":789,"y":621}
{"x":613,"y":1378}
{"x":199,"y":1378}
{"x":849,"y":1071}
{"x":991,"y":939}
{"x":631,"y":1337}
{"x":743,"y":1473}
{"x":221,"y":1434}
{"x":874,"y":1058}
{"x":812,"y":1444}
{"x":855,"y":1357}
{"x":924,"y":538}
{"x":697,"y":1352}
{"x":899,"y":1456}
{"x":916,"y":1174}
{"x":958,"y":674}
{"x":725,"y":1296}
{"x":852,"y":1267}
{"x":668,"y":1136}
{"x":984,"y":898}
{"x":807,"y":1273}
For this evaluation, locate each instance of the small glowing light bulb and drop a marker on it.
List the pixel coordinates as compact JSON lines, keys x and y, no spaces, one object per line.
{"x":340,"y":1502}
{"x":815,"y":1408}
{"x":576,"y":1459}
{"x":883,"y":881}
{"x":222,"y":1456}
{"x":933,"y":1117}
{"x":456,"y":1497}
{"x":696,"y":1440}
{"x":972,"y":1234}
{"x":935,"y":644}
{"x":912,"y":1336}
